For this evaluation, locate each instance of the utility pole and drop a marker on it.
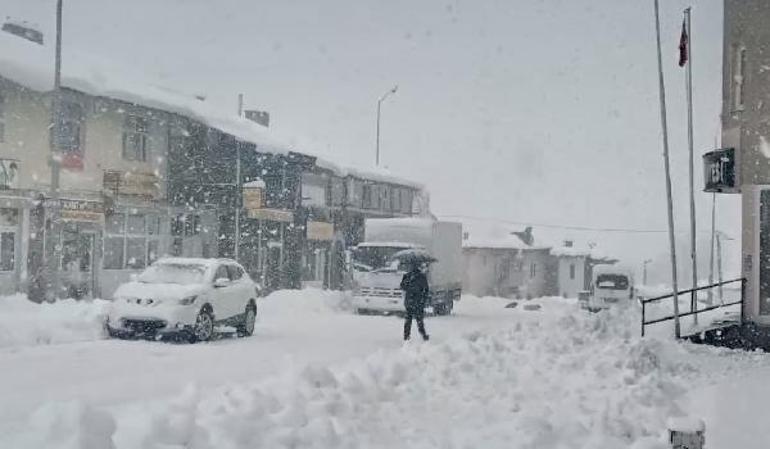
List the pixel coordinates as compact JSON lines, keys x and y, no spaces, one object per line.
{"x":379,"y":107}
{"x":711,"y":250}
{"x":54,"y":228}
{"x":239,"y":188}
{"x":693,"y":243}
{"x":664,"y":126}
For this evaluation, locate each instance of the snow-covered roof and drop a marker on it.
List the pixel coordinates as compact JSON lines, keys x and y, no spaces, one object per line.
{"x":32,"y":65}
{"x":570,"y":251}
{"x":493,"y":235}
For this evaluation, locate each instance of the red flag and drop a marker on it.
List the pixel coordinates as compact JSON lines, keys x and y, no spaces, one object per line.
{"x":683,"y":44}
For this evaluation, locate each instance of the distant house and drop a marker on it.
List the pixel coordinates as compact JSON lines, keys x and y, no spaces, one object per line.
{"x":513,"y":264}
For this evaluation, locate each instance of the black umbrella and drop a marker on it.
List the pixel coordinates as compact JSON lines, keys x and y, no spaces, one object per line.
{"x":414,"y":256}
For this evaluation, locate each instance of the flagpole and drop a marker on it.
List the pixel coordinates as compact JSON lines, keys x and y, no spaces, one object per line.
{"x":664,"y":126}
{"x":693,"y":243}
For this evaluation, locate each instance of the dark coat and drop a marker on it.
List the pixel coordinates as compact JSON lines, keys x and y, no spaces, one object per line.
{"x":415,"y":287}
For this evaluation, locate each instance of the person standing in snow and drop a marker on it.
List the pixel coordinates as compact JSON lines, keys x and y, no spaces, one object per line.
{"x":415,"y":287}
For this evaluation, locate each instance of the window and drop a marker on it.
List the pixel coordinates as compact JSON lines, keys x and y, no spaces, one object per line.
{"x":572,"y":271}
{"x":69,"y":134}
{"x":113,"y":253}
{"x":739,"y":78}
{"x":337,"y":192}
{"x":2,"y":118}
{"x":7,"y":251}
{"x":235,"y":272}
{"x":186,"y":225}
{"x":356,"y":193}
{"x":532,"y":270}
{"x":406,"y":201}
{"x":385,"y":198}
{"x":222,"y":273}
{"x":131,"y":241}
{"x":135,"y":138}
{"x":395,"y":198}
{"x":368,"y":194}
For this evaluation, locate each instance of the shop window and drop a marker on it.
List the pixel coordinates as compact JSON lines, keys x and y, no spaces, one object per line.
{"x":113,"y":253}
{"x":115,"y":223}
{"x":186,"y":225}
{"x":7,"y":251}
{"x":135,"y":224}
{"x":131,"y":241}
{"x":135,"y":138}
{"x":572,"y":271}
{"x":135,"y":253}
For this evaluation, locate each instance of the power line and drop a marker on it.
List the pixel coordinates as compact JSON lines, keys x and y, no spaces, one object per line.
{"x":567,"y":227}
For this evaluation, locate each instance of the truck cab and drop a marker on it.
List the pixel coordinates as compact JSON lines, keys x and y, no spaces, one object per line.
{"x":377,"y":273}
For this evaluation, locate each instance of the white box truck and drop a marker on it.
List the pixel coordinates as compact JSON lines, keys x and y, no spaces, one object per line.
{"x":377,"y":275}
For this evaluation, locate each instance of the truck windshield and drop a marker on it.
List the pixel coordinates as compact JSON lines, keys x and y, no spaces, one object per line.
{"x":612,"y":282}
{"x":369,"y":258}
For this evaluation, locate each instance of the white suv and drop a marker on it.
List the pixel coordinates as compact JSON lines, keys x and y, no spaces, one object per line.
{"x":185,"y":296}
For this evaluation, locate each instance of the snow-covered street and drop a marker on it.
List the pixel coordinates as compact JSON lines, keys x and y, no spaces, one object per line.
{"x":316,"y":375}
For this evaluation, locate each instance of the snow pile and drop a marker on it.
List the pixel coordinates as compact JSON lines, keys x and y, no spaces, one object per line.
{"x":68,"y":425}
{"x":302,"y":302}
{"x":23,"y":322}
{"x":571,"y":380}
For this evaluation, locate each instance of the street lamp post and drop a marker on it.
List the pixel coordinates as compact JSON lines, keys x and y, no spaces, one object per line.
{"x":644,"y":271}
{"x":379,"y":106}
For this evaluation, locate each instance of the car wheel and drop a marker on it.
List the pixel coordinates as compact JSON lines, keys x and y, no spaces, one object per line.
{"x":246,"y":328}
{"x":203,"y":329}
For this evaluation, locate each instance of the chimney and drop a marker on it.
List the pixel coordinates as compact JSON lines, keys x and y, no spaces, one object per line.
{"x":261,"y":117}
{"x":24,"y":30}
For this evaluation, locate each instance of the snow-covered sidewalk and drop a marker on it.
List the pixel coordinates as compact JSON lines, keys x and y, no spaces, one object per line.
{"x":315,"y":375}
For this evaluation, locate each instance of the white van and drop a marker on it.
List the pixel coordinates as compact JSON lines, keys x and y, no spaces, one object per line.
{"x":610,"y":286}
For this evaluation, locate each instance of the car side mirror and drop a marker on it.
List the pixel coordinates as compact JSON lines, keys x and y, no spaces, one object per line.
{"x":221,"y":282}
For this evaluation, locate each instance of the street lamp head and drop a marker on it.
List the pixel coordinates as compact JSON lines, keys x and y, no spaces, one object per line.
{"x":395,"y":89}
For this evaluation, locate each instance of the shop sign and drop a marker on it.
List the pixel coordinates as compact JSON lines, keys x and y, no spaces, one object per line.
{"x":143,"y":184}
{"x":9,"y":173}
{"x":719,"y":171}
{"x":319,"y":230}
{"x":280,"y":215}
{"x":81,"y":210}
{"x":253,"y":197}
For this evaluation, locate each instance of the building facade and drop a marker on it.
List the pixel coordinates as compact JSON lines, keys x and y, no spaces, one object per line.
{"x":142,"y":177}
{"x":746,"y":128}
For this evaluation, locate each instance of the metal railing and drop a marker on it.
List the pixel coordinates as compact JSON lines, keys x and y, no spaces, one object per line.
{"x":693,"y":293}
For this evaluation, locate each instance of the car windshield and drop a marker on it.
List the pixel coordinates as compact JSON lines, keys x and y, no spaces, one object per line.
{"x":369,"y":258}
{"x":167,"y":273}
{"x":612,"y":282}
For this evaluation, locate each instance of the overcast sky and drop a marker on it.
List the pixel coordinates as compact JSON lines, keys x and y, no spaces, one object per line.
{"x":531,"y":111}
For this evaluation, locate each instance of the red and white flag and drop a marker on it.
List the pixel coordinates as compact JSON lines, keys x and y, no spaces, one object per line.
{"x":684,"y":41}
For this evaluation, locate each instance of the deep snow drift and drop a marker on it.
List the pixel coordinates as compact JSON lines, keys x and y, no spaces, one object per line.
{"x":554,"y":377}
{"x":24,"y":323}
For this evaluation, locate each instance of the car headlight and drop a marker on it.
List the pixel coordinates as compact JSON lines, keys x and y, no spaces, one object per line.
{"x":188,"y":300}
